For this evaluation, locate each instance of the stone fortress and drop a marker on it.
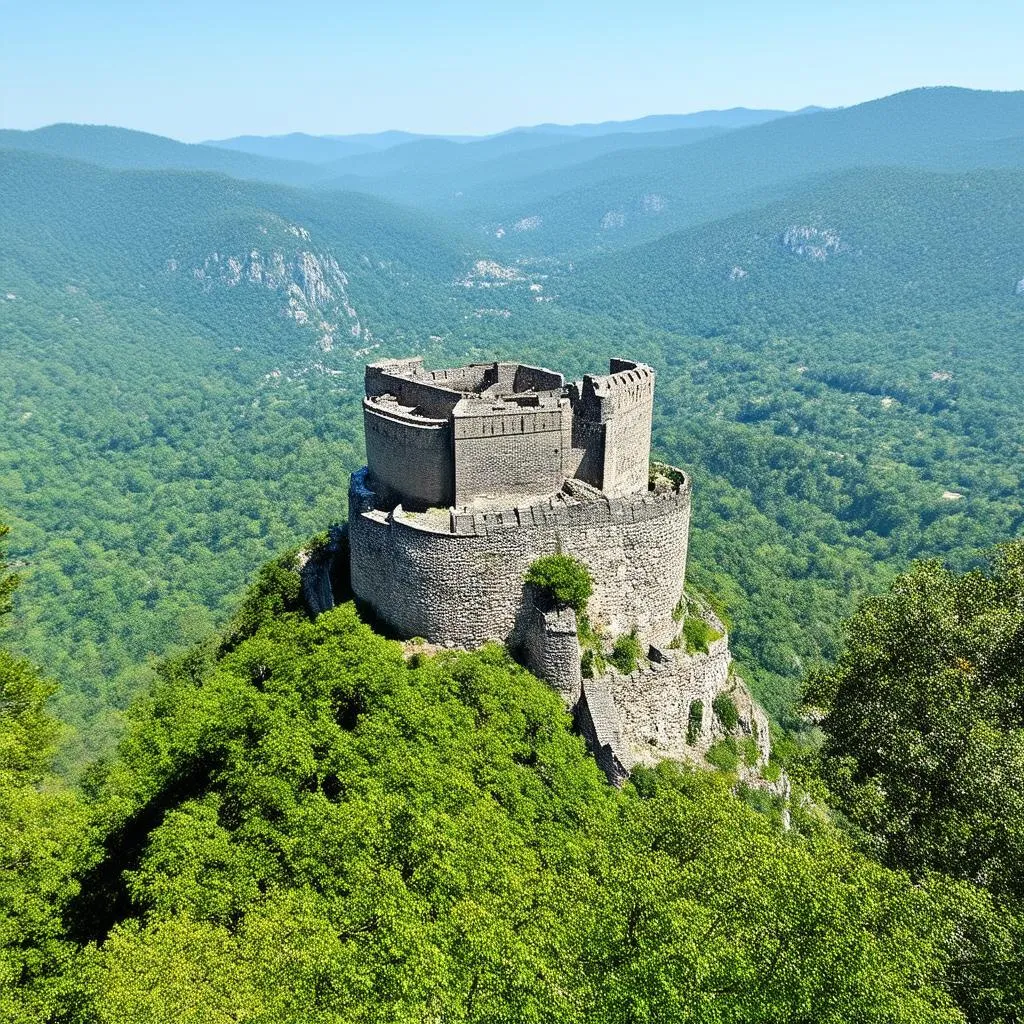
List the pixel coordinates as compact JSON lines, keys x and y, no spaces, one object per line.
{"x":472,"y":474}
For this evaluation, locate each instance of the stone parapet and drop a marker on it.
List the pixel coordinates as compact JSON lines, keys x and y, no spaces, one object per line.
{"x":458,"y":578}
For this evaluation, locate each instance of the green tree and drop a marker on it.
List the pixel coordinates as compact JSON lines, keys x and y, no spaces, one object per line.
{"x":564,"y":579}
{"x":924,"y":722}
{"x":8,"y":580}
{"x":44,"y":840}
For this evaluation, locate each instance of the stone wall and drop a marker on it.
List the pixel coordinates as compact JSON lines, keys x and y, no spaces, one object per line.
{"x":516,"y":431}
{"x":628,"y":394}
{"x":645,"y":717}
{"x":654,"y":703}
{"x":409,"y":457}
{"x":415,"y":393}
{"x":535,"y":378}
{"x":506,"y":452}
{"x":460,"y":581}
{"x":547,"y":643}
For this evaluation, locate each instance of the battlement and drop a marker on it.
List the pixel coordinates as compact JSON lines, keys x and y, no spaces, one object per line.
{"x":490,"y":434}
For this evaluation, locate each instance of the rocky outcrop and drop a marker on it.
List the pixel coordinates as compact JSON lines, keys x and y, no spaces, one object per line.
{"x":313,"y":286}
{"x":811,"y":242}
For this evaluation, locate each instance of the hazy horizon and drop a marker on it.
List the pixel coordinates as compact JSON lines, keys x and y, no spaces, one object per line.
{"x":194,"y":73}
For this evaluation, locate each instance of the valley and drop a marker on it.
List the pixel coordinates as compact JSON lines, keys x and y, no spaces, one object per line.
{"x":837,"y":351}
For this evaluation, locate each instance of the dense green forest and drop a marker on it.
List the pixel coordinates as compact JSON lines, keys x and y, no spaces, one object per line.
{"x":302,"y":823}
{"x":182,"y":358}
{"x":213,"y":808}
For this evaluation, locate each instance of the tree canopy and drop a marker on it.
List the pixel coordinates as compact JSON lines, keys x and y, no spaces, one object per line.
{"x":303,"y":824}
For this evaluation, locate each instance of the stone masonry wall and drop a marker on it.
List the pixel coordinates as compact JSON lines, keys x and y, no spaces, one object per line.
{"x":461,"y":582}
{"x":645,"y":717}
{"x":654,"y":704}
{"x":508,"y":453}
{"x":547,"y":643}
{"x":409,"y":456}
{"x":629,"y":394}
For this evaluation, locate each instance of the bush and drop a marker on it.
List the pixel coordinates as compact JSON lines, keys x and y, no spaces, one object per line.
{"x":698,"y":635}
{"x":714,"y":602}
{"x":564,"y":579}
{"x":749,"y":751}
{"x":724,"y":755}
{"x":626,"y":653}
{"x":725,"y":709}
{"x":695,"y":722}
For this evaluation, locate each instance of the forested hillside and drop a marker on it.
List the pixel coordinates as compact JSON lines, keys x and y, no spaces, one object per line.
{"x":637,"y":194}
{"x":180,"y":394}
{"x":304,"y":824}
{"x":838,"y":367}
{"x":119,"y":148}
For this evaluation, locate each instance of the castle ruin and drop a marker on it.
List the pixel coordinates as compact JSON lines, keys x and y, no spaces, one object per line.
{"x":472,"y":474}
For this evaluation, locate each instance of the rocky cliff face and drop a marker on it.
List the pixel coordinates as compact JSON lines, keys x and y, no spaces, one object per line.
{"x":312,"y":286}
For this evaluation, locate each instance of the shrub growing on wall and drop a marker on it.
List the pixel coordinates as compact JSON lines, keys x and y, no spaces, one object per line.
{"x":698,"y":635}
{"x":626,"y":653}
{"x":564,"y":579}
{"x":725,"y":710}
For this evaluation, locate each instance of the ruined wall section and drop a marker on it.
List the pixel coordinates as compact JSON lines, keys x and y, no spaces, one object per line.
{"x":505,"y":452}
{"x":464,"y":585}
{"x":408,"y":456}
{"x":655,"y":703}
{"x":548,"y":645}
{"x":474,"y":377}
{"x":427,"y":398}
{"x":535,"y":378}
{"x":664,"y":710}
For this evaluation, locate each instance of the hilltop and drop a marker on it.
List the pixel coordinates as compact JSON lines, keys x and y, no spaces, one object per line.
{"x":836,"y":347}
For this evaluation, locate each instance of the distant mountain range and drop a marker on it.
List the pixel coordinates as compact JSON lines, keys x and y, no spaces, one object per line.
{"x":322,"y":149}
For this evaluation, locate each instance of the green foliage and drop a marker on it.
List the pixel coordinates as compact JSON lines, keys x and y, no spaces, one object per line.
{"x":724,"y":755}
{"x":8,"y":580}
{"x":592,"y":658}
{"x":698,"y":635}
{"x":712,"y":601}
{"x":44,"y":840}
{"x":694,"y":722}
{"x":924,"y":730}
{"x":364,"y":838}
{"x":162,"y":436}
{"x":563,"y":579}
{"x":724,"y":708}
{"x":627,"y":652}
{"x":729,"y":753}
{"x":276,"y":591}
{"x":302,"y":824}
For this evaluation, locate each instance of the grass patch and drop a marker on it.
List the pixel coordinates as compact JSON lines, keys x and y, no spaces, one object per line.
{"x":626,"y":653}
{"x":698,"y":635}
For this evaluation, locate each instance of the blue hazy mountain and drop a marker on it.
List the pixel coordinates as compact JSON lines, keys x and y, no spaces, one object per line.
{"x":320,"y":149}
{"x":638,"y":193}
{"x":735,"y":117}
{"x":124,"y":149}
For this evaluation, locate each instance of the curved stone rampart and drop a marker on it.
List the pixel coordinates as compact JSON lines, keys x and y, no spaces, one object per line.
{"x":457,"y":578}
{"x":410,"y":455}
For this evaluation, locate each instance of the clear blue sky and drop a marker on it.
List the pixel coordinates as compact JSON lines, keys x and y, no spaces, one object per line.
{"x":215,"y":68}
